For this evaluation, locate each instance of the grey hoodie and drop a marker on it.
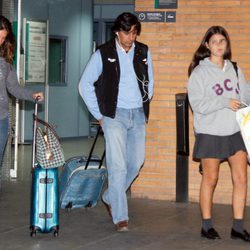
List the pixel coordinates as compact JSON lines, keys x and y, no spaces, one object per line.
{"x":9,"y":84}
{"x":210,"y":89}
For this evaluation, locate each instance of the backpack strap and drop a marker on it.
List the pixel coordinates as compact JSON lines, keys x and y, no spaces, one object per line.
{"x":235,"y":68}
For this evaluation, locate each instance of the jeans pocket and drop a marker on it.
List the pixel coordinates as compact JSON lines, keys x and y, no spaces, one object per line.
{"x":140,"y":117}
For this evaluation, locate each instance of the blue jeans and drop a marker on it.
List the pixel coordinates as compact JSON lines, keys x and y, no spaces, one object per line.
{"x":4,"y":127}
{"x":125,"y":154}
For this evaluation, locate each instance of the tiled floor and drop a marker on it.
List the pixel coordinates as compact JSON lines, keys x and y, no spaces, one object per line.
{"x":153,"y":224}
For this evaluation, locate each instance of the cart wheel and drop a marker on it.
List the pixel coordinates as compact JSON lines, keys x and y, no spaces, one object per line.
{"x":89,"y":204}
{"x":69,"y":206}
{"x":93,"y":204}
{"x":67,"y":209}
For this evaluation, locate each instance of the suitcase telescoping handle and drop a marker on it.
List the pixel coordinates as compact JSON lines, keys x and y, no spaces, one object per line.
{"x":92,"y":149}
{"x":34,"y":131}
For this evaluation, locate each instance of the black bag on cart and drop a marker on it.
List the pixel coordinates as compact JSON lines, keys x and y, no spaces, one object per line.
{"x":82,"y":180}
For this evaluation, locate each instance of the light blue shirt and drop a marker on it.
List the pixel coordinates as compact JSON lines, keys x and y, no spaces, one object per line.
{"x":129,"y":95}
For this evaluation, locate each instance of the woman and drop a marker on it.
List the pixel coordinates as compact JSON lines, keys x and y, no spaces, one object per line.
{"x":216,"y":89}
{"x":8,"y":81}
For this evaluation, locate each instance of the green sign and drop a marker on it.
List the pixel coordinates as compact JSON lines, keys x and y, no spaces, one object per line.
{"x":166,"y":4}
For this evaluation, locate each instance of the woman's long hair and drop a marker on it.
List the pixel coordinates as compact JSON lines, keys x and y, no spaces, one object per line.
{"x":8,"y":47}
{"x":203,"y":52}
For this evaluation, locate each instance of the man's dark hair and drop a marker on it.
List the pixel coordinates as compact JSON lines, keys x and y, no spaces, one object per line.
{"x":125,"y":21}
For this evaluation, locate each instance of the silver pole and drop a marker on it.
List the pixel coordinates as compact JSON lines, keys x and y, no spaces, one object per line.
{"x":46,"y":113}
{"x":13,"y":172}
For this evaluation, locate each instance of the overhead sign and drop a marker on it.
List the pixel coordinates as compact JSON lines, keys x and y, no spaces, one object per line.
{"x":156,"y":16}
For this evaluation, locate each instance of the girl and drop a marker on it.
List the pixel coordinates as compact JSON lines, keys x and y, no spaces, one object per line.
{"x":216,"y":89}
{"x":8,"y":81}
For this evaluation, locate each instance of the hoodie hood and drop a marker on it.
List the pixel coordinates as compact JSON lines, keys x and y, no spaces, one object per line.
{"x":207,"y":63}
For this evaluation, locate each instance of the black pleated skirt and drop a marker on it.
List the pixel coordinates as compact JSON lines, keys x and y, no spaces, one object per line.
{"x":219,"y":147}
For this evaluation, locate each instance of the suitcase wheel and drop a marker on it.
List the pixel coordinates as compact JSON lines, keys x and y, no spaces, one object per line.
{"x":33,"y":231}
{"x":56,"y":233}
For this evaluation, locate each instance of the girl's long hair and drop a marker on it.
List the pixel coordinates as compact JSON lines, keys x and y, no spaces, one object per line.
{"x":203,"y":52}
{"x":8,"y":47}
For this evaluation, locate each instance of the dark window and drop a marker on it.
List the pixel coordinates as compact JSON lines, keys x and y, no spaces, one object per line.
{"x":57,"y":60}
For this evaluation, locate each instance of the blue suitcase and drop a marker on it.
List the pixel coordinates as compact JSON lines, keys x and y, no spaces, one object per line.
{"x":82,"y":180}
{"x":44,"y":210}
{"x":44,"y":215}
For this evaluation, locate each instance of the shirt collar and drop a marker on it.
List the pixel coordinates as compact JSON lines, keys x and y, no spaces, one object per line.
{"x":118,"y":46}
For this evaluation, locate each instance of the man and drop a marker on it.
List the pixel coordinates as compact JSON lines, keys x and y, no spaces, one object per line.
{"x":117,"y":86}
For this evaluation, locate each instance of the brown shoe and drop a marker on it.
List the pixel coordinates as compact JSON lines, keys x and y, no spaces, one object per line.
{"x":108,"y":207}
{"x":122,"y":226}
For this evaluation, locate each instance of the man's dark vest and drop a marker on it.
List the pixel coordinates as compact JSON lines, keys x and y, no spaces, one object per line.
{"x":106,"y":87}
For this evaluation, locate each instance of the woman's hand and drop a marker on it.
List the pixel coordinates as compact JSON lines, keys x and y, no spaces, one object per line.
{"x":234,"y":104}
{"x":38,"y":96}
{"x":100,"y":122}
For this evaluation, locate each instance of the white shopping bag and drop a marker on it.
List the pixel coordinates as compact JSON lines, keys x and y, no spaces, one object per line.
{"x":243,"y":119}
